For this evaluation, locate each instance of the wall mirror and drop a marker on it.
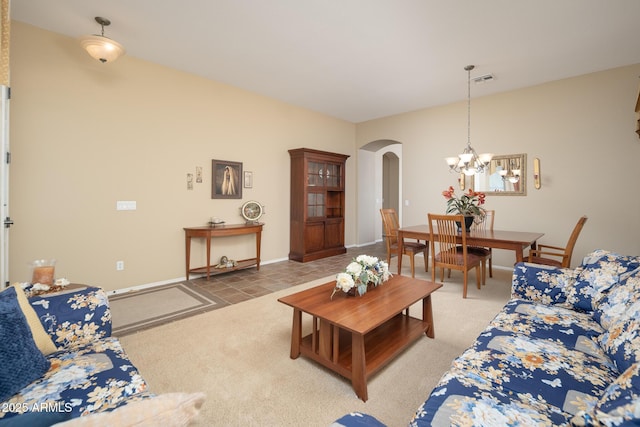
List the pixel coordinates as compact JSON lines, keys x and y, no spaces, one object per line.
{"x":506,"y":176}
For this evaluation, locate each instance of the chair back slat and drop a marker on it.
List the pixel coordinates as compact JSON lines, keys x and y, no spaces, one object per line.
{"x":391,"y":225}
{"x":485,"y":223}
{"x":452,"y":252}
{"x":443,"y":237}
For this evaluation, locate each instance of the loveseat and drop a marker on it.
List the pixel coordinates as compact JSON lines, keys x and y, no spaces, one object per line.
{"x":565,"y":350}
{"x":61,"y":364}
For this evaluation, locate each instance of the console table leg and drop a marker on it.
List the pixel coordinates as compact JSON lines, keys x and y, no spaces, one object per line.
{"x":188,"y":252}
{"x":258,"y":241}
{"x":208,"y":256}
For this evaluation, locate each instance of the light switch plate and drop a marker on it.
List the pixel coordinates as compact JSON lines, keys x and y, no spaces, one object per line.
{"x":126,"y":205}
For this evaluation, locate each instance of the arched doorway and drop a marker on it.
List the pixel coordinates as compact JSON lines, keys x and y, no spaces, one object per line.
{"x":391,"y":181}
{"x":379,"y":185}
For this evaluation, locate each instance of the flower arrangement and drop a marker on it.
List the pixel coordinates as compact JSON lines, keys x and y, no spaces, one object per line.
{"x":34,"y":289}
{"x":363,"y":270}
{"x":469,"y":204}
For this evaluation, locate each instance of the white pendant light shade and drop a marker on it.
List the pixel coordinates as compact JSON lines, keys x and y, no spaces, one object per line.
{"x":100,"y":47}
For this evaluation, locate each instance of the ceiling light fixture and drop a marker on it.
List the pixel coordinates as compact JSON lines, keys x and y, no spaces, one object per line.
{"x":512,"y":173}
{"x":100,"y":47}
{"x":469,"y":162}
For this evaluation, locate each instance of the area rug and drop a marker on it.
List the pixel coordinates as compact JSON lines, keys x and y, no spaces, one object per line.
{"x":239,"y":357}
{"x":137,"y":310}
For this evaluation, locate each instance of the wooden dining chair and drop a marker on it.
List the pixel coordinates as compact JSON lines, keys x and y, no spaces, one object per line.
{"x":443,"y":237}
{"x":484,"y":224}
{"x":561,"y":257}
{"x":411,"y":248}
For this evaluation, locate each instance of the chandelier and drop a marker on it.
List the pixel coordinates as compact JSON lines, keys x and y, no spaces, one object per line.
{"x":512,"y":173}
{"x":469,"y":162}
{"x":100,"y":47}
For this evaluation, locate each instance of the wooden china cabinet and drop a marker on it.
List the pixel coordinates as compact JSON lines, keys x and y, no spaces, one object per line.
{"x":317,"y":204}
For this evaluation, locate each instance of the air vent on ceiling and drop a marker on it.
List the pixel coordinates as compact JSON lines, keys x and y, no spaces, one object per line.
{"x":483,"y":79}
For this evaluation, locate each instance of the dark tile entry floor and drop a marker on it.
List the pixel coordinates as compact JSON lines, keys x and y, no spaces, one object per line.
{"x":242,"y":285}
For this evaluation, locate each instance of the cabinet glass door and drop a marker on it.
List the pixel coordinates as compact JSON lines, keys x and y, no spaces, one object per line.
{"x":315,"y":205}
{"x":315,"y":174}
{"x":333,"y":174}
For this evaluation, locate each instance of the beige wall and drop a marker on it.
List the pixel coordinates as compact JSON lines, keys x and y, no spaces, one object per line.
{"x":582,"y":129}
{"x":84,"y":135}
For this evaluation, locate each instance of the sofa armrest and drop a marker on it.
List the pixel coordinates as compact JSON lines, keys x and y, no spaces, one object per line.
{"x":543,"y":284}
{"x":74,"y":316}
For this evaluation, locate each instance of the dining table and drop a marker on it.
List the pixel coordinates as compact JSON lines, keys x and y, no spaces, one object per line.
{"x":516,"y":241}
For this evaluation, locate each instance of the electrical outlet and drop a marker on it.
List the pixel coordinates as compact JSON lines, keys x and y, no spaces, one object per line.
{"x":119,"y":265}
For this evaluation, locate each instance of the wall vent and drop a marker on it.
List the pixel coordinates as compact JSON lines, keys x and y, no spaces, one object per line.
{"x":483,"y":79}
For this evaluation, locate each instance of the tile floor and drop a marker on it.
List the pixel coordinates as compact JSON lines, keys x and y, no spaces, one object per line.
{"x":242,"y":285}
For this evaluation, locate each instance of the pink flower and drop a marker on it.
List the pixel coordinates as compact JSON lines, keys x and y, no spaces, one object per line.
{"x":468,"y":204}
{"x":448,"y":194}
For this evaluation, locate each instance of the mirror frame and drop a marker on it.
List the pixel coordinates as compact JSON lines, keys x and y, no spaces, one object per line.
{"x":522,"y":158}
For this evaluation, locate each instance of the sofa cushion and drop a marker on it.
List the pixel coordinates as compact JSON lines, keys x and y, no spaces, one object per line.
{"x":22,"y":361}
{"x":622,"y":342}
{"x":621,"y":400}
{"x":577,"y":331}
{"x":523,"y":364}
{"x":171,"y":409}
{"x":619,"y":404}
{"x":44,"y":418}
{"x":40,"y":336}
{"x":94,"y":378}
{"x":621,"y":302}
{"x":357,"y":419}
{"x":543,"y":284}
{"x":599,"y":271}
{"x":464,"y":399}
{"x":74,"y":317}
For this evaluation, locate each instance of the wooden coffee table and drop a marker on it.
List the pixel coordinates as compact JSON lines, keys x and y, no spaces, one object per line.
{"x":357,"y":336}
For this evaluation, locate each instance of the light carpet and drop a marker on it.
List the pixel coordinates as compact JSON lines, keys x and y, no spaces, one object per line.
{"x":137,"y":310}
{"x":239,"y":357}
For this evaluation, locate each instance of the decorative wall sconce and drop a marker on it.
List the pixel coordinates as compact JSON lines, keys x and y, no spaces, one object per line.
{"x":537,"y":179}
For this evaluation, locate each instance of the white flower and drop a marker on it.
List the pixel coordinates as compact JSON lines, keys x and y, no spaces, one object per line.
{"x":62,"y":282}
{"x":344,"y":281}
{"x":363,"y":270}
{"x":354,"y":268}
{"x":40,"y":287}
{"x":367,"y":260}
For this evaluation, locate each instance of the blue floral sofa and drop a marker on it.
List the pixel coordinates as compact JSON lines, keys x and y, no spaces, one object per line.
{"x":565,"y":350}
{"x":60,"y":363}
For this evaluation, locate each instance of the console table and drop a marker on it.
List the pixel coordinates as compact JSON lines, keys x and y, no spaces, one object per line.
{"x":208,"y":233}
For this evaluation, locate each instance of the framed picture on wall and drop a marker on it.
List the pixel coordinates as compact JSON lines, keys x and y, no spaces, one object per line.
{"x":225,"y":179}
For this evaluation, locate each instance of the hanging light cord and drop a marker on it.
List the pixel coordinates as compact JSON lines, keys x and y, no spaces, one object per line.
{"x":469,"y":68}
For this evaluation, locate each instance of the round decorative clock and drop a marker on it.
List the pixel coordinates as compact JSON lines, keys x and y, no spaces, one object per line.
{"x":251,"y":211}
